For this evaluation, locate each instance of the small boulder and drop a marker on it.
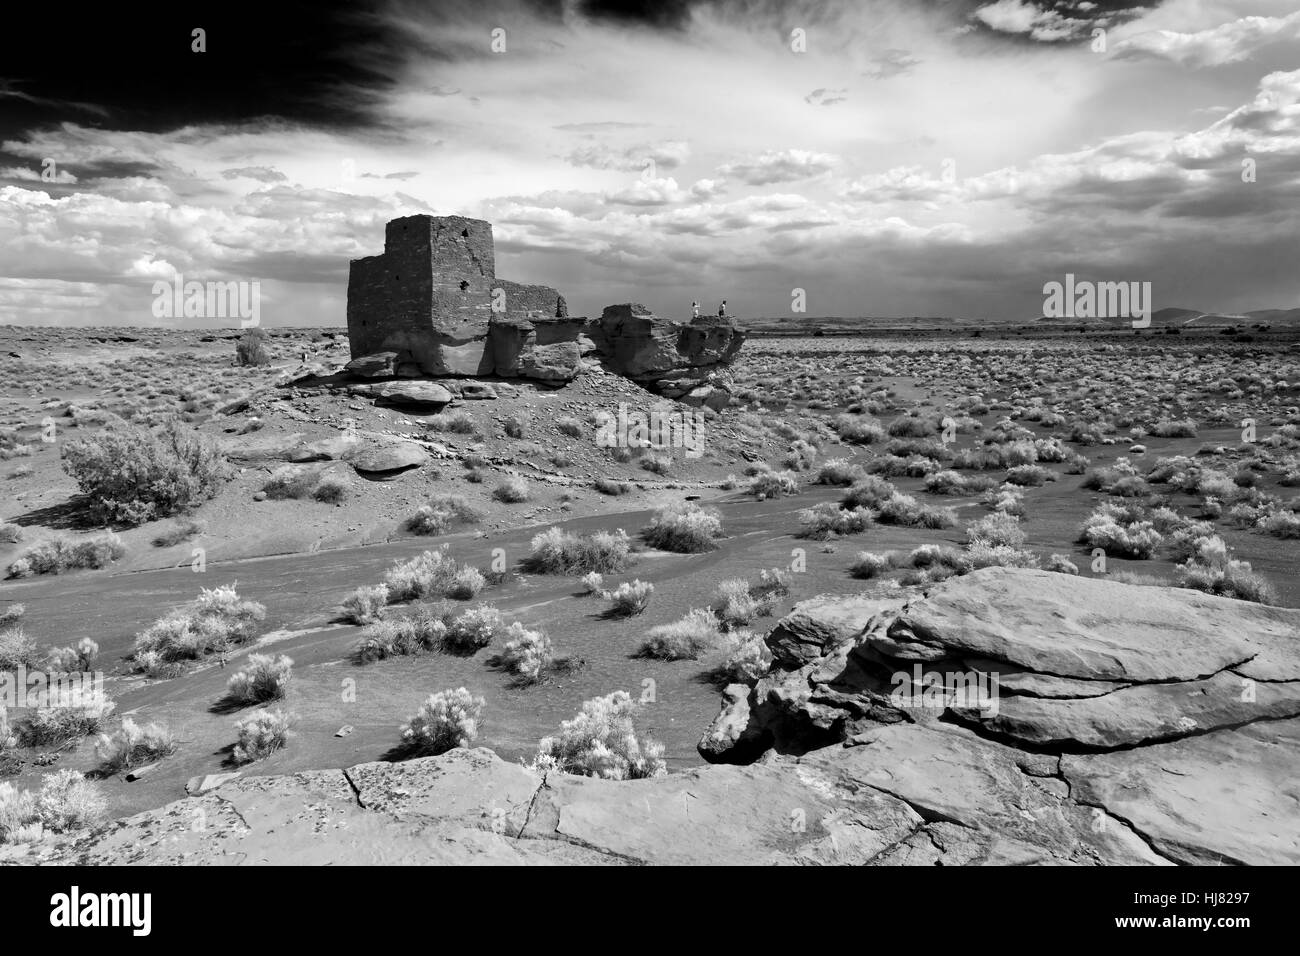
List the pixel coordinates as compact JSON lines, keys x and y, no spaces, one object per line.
{"x":375,"y":365}
{"x":388,"y":462}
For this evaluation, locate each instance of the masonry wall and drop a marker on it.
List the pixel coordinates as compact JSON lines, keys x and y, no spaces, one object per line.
{"x":429,"y":297}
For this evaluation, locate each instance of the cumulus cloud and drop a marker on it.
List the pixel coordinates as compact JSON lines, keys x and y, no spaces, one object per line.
{"x":667,"y":155}
{"x":1227,"y":43}
{"x":779,"y":166}
{"x":1024,"y":17}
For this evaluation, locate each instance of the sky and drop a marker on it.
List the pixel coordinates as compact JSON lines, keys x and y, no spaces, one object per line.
{"x":861,"y":157}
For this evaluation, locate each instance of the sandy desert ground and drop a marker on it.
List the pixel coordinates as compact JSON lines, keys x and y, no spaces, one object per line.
{"x":875,"y":466}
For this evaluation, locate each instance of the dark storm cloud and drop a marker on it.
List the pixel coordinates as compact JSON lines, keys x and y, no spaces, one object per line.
{"x":132,"y":66}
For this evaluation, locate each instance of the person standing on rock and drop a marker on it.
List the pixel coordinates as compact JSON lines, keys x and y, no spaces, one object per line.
{"x":722,"y":309}
{"x":695,"y":310}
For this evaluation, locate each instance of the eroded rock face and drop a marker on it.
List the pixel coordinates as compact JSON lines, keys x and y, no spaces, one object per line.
{"x":1127,"y":697}
{"x":683,"y":360}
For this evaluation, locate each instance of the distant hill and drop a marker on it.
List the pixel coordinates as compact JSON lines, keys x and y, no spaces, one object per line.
{"x":1197,"y":319}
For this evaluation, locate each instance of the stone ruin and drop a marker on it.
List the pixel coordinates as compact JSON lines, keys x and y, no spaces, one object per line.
{"x":431,"y":305}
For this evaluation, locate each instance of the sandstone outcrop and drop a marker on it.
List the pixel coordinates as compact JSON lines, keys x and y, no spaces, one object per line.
{"x":682,"y":360}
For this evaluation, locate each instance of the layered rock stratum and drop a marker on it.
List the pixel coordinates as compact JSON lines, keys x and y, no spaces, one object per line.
{"x":1128,"y":725}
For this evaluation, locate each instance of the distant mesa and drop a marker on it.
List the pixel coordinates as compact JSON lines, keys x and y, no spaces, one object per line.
{"x":431,"y":305}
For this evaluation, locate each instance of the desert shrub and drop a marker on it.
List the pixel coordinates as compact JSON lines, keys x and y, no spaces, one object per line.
{"x":593,"y":582}
{"x":466,"y":584}
{"x":512,"y":490}
{"x":857,"y":430}
{"x":515,"y":425}
{"x":629,"y":598}
{"x":867,"y":564}
{"x":261,"y":734}
{"x":19,"y":821}
{"x":608,"y":486}
{"x":60,"y":555}
{"x":949,"y":482}
{"x":751,"y":660}
{"x":473,"y":628}
{"x":870,"y":492}
{"x":684,"y":529}
{"x":133,"y":746}
{"x":331,"y":490}
{"x":828,"y":520}
{"x":251,"y":348}
{"x":772,"y":583}
{"x":773,"y":484}
{"x":74,"y":659}
{"x":1007,"y":499}
{"x":290,"y":482}
{"x":427,"y":575}
{"x":1212,"y":570}
{"x":657,"y":464}
{"x":1029,"y":476}
{"x":263,"y":679}
{"x":441,"y":513}
{"x":995,"y":529}
{"x":601,"y":742}
{"x":838,"y":471}
{"x":424,"y":631}
{"x":1280,"y":524}
{"x":568,"y":425}
{"x":366,"y":605}
{"x":909,"y":426}
{"x":982,"y":554}
{"x":686,"y":639}
{"x":1119,"y":533}
{"x":68,"y":801}
{"x":78,"y":712}
{"x":555,"y":551}
{"x":17,"y":649}
{"x":10,"y":533}
{"x":914,"y":466}
{"x":132,"y":475}
{"x":458,"y":423}
{"x":216,"y":620}
{"x":527,"y":654}
{"x":181,"y":531}
{"x":905,"y":510}
{"x":1062,"y":564}
{"x":445,"y":721}
{"x":935,"y":555}
{"x":735,"y":603}
{"x":1165,"y":428}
